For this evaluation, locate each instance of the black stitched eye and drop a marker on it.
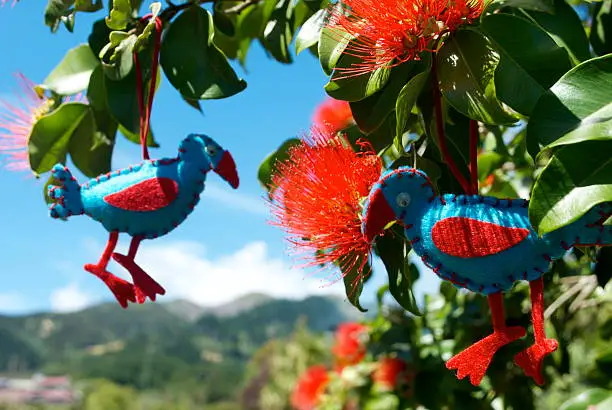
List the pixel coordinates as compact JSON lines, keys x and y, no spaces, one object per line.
{"x":211,"y":150}
{"x":403,"y":199}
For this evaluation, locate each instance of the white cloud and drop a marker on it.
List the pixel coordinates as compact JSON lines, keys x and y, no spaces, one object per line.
{"x":13,"y":302}
{"x":186,"y":271}
{"x":70,"y":298}
{"x":237,"y":200}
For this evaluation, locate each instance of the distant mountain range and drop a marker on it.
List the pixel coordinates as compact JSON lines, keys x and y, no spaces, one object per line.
{"x":148,"y":345}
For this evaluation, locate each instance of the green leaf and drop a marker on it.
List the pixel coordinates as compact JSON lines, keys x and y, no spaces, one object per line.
{"x":355,"y":88}
{"x":565,"y":28}
{"x":278,"y":33}
{"x":143,"y":38}
{"x":89,"y":149}
{"x":120,"y":15}
{"x":524,"y":73}
{"x":539,"y":5}
{"x":310,"y":32}
{"x":91,"y":152}
{"x":268,"y":166}
{"x":577,"y":108}
{"x":99,"y":37}
{"x":50,"y":136}
{"x":393,"y":251}
{"x":122,"y":104}
{"x":466,"y":67}
{"x":58,"y":11}
{"x":72,"y":74}
{"x":576,"y":179}
{"x":408,"y":95}
{"x":118,"y":55}
{"x":488,"y":162}
{"x":223,"y":23}
{"x":601,"y":29}
{"x":353,"y":285}
{"x":332,"y":44}
{"x":192,"y":62}
{"x":585,"y":399}
{"x":370,"y":112}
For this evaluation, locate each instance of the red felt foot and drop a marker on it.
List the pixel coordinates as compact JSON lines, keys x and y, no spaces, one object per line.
{"x":475,"y":360}
{"x":142,"y":280}
{"x":123,"y":290}
{"x":530,"y":359}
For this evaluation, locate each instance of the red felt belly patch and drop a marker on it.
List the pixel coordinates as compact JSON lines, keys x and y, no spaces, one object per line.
{"x":470,"y":238}
{"x":146,"y":196}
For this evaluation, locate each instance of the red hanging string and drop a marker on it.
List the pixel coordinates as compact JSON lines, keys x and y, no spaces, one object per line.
{"x":440,"y":129}
{"x":474,"y":155}
{"x":145,"y":112}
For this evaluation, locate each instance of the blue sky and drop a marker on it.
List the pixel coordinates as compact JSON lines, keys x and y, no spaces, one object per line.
{"x":226,"y":248}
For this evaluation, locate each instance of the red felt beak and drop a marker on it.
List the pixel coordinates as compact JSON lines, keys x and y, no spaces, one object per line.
{"x":227,"y":170}
{"x":378,"y":214}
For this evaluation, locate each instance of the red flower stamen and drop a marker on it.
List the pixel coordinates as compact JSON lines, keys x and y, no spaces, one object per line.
{"x":350,"y":344}
{"x":390,"y":32}
{"x":309,"y":388}
{"x":316,"y":200}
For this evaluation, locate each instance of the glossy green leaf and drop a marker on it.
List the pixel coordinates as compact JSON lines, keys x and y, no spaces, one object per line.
{"x":268,"y":165}
{"x":601,"y":30}
{"x":577,"y":108}
{"x":332,"y":44}
{"x":72,"y":74}
{"x":523,"y":73}
{"x":50,"y":136}
{"x":565,"y":27}
{"x":585,"y":399}
{"x":577,"y":178}
{"x":488,"y":162}
{"x":120,"y":15}
{"x":91,"y":151}
{"x":466,"y":66}
{"x":409,"y":93}
{"x":343,"y":86}
{"x":278,"y":33}
{"x":539,"y":5}
{"x":223,"y":22}
{"x":393,"y":251}
{"x":353,"y":285}
{"x":370,"y":112}
{"x":118,"y":55}
{"x":191,"y":61}
{"x":99,"y":37}
{"x":144,"y":37}
{"x":122,"y":104}
{"x":311,"y":31}
{"x":58,"y":11}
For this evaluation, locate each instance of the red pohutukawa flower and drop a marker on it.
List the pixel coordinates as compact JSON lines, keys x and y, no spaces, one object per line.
{"x":391,"y":31}
{"x":349,"y":347}
{"x":316,"y":200}
{"x":309,"y":388}
{"x":392,"y":372}
{"x":333,"y":115}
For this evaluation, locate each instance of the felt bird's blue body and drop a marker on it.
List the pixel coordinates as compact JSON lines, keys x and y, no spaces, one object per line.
{"x":484,"y":244}
{"x":145,"y":201}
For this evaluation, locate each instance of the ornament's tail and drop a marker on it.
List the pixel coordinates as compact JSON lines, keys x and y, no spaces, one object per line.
{"x":590,"y":229}
{"x":66,"y":196}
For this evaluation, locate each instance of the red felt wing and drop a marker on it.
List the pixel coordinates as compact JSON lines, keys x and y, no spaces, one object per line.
{"x":148,"y":195}
{"x":470,"y":238}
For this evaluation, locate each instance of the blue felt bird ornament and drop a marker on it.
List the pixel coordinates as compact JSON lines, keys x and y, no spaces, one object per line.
{"x":145,"y":201}
{"x":484,"y":244}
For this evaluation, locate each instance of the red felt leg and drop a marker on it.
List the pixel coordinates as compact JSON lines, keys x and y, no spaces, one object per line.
{"x":474,"y":360}
{"x":123,"y":290}
{"x":141,"y":279}
{"x":530,"y":359}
